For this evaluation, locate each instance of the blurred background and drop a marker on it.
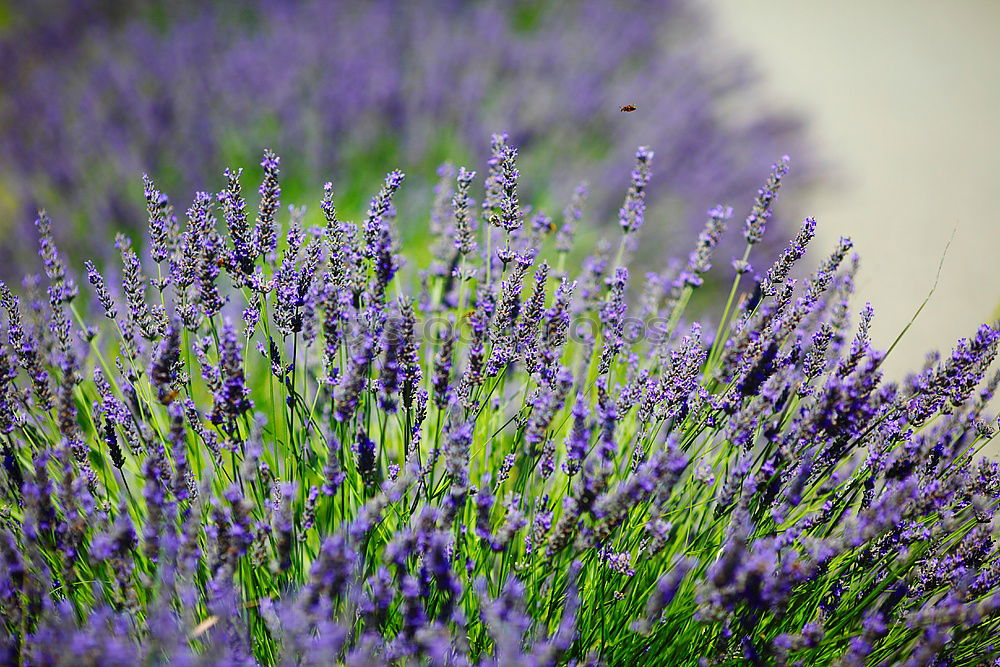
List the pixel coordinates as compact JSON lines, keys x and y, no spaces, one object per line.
{"x":901,"y":100}
{"x":886,"y":108}
{"x":98,"y":91}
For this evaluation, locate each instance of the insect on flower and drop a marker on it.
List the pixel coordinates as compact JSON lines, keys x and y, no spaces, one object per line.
{"x":628,"y":108}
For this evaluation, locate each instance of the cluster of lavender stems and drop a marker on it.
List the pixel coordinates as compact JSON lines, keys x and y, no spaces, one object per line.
{"x":96,"y":92}
{"x":277,"y":443}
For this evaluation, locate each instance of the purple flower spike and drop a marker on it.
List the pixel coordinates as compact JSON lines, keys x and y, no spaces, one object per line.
{"x":633,"y":212}
{"x":760,"y":213}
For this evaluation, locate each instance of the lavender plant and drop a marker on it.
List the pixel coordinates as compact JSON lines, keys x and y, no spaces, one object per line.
{"x":95,"y":94}
{"x":302,"y":451}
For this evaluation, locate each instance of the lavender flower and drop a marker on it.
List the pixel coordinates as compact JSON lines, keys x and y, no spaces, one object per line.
{"x":162,"y":222}
{"x":465,"y":225}
{"x":354,"y":381}
{"x":140,"y":316}
{"x":165,"y":370}
{"x":367,"y":461}
{"x":578,"y":439}
{"x":95,"y":278}
{"x":333,"y":474}
{"x":531,"y":314}
{"x":379,"y":208}
{"x":55,"y":269}
{"x":473,"y":375}
{"x":8,"y":408}
{"x":265,"y":235}
{"x":500,"y":203}
{"x":182,"y":479}
{"x":779,"y":271}
{"x":700,"y":260}
{"x":612,"y":319}
{"x":760,"y":213}
{"x":234,"y":211}
{"x":25,"y":346}
{"x":544,"y":406}
{"x":389,"y":378}
{"x":283,"y":526}
{"x":555,"y":331}
{"x":210,"y":254}
{"x":440,"y":379}
{"x":456,"y":453}
{"x":633,"y":211}
{"x":232,"y":397}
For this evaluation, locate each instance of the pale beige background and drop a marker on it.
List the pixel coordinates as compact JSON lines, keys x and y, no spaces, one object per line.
{"x":902,"y":98}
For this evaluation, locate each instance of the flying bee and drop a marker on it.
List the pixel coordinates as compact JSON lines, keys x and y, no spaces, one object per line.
{"x":628,"y":108}
{"x":552,"y":226}
{"x":169,"y":396}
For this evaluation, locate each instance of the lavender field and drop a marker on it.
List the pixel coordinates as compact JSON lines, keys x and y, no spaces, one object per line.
{"x":351,"y":90}
{"x":404,"y":390}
